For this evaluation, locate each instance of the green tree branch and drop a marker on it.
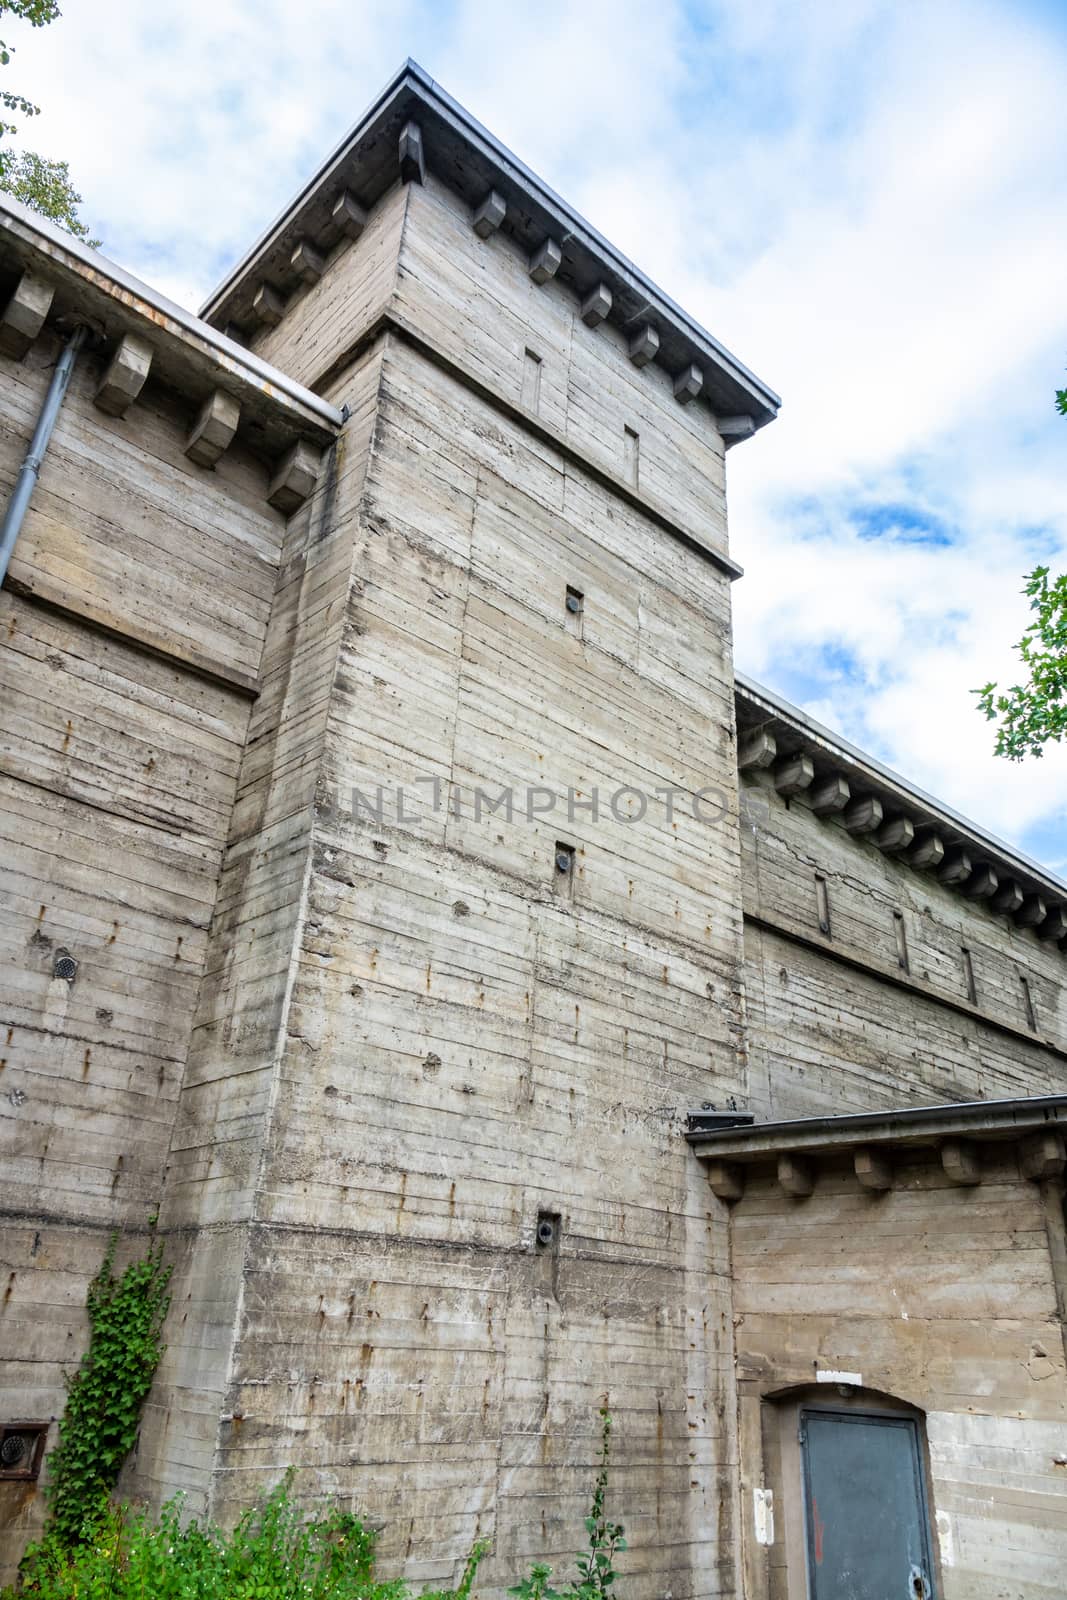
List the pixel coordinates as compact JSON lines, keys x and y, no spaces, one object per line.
{"x":1033,"y":714}
{"x":42,"y":184}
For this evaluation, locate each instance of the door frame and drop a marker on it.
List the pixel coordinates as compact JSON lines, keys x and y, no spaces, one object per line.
{"x":783,"y":1472}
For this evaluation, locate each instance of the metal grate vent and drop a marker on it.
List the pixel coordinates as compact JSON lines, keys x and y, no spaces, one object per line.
{"x":22,"y":1449}
{"x":65,"y":966}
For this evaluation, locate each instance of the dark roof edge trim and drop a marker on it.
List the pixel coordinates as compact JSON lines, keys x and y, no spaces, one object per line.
{"x":412,"y":76}
{"x":914,"y":1124}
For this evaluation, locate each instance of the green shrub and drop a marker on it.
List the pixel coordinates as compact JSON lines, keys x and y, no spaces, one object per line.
{"x":274,"y":1553}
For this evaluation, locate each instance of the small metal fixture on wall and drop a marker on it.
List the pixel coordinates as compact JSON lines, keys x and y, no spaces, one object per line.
{"x":22,"y":1450}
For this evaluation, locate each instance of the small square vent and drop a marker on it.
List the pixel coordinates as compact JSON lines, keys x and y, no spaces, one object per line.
{"x":22,"y":1449}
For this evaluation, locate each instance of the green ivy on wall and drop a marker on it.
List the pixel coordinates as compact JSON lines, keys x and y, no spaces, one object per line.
{"x":105,"y":1396}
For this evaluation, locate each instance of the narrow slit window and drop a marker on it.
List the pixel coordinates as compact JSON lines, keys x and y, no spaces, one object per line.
{"x":531,"y":380}
{"x":901,"y":935}
{"x":968,"y":976}
{"x":1028,"y":1002}
{"x":822,"y":904}
{"x":631,"y":445}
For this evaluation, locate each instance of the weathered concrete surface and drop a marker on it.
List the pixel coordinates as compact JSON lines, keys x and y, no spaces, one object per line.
{"x":356,"y":1053}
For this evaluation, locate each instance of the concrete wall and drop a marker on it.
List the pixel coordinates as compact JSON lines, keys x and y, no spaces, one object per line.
{"x":118,"y":765}
{"x":473,"y":1038}
{"x":836,"y":1023}
{"x":414,"y":1033}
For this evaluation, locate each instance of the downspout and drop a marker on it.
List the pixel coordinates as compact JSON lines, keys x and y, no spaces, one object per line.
{"x":31,"y":466}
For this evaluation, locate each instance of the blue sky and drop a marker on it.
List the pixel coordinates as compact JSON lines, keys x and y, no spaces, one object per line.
{"x":866,"y":201}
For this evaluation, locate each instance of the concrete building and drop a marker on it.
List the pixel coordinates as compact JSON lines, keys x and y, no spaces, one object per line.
{"x":503,"y":1003}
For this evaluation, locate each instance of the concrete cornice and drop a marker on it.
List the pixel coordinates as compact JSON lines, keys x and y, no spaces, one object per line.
{"x":187,"y":353}
{"x":475,"y":165}
{"x":958,"y":1136}
{"x":980,"y":1120}
{"x":807,"y":761}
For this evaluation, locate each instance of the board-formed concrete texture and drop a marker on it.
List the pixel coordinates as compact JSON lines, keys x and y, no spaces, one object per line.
{"x":393,"y":862}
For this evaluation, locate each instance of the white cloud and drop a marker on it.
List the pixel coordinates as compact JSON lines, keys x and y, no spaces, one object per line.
{"x":867,"y":201}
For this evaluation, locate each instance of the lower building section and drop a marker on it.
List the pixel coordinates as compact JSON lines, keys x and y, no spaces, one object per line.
{"x":898,"y":1283}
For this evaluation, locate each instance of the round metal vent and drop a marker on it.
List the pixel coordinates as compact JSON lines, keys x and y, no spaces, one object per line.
{"x":65,"y":966}
{"x":15,"y":1449}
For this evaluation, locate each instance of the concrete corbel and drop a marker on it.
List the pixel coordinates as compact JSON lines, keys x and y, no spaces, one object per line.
{"x":733,"y":429}
{"x":795,"y":1175}
{"x":830,"y":796}
{"x":688,"y":384}
{"x":24,"y":315}
{"x":757,"y":750}
{"x":1054,"y":925}
{"x":961,"y":1163}
{"x":347,"y":216}
{"x":982,"y":883}
{"x":644,"y":345}
{"x":307,"y":262}
{"x":125,"y":377}
{"x":412,"y":161}
{"x":793,"y":774}
{"x":1043,"y":1155}
{"x":213,"y":430}
{"x":545,"y":262}
{"x":928,"y":853}
{"x":895,"y":836}
{"x":596,"y":306}
{"x":726,"y":1180}
{"x":863,"y":816}
{"x":490,"y":214}
{"x":873,"y":1170}
{"x":956,"y":867}
{"x":268,"y":306}
{"x":1032,"y":912}
{"x":295,"y":478}
{"x":1008,"y":898}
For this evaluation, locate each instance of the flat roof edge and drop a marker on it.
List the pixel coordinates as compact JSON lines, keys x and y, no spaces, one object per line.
{"x":973,"y":1119}
{"x":758,"y":695}
{"x":414,"y":78}
{"x":99,"y":272}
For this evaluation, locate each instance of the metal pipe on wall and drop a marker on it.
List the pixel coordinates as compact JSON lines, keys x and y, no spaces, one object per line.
{"x":29,"y":472}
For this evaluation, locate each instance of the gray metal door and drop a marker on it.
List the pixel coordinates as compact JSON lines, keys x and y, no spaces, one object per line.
{"x":868,"y":1535}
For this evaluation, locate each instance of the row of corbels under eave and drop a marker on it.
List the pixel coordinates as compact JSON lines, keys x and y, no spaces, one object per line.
{"x":1042,"y":1155}
{"x":308,"y":260}
{"x":919,"y":845}
{"x":643,"y":347}
{"x":126,"y":374}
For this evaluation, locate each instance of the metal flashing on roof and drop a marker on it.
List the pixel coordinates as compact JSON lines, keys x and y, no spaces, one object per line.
{"x":467,"y":158}
{"x":974,"y":1119}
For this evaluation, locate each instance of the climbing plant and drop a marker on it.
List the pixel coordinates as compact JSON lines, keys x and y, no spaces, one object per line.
{"x":105,"y":1396}
{"x":596,"y":1569}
